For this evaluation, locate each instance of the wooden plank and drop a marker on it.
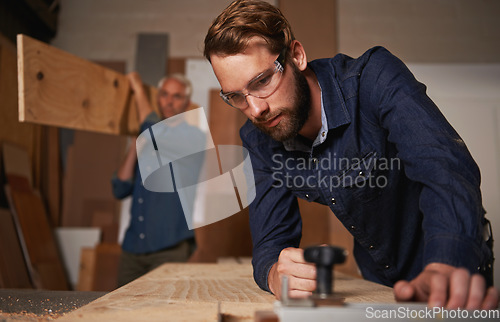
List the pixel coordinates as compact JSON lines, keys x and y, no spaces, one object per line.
{"x":16,"y":162}
{"x":60,"y":89}
{"x":231,"y":236}
{"x":99,"y":267}
{"x":91,"y":161}
{"x":87,"y":269}
{"x":107,"y":258}
{"x":39,"y":239}
{"x":193,"y":292}
{"x":11,"y":130}
{"x":71,"y":241}
{"x":13,"y":270}
{"x":51,"y":176}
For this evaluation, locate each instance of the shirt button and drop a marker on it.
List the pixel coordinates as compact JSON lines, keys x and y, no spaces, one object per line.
{"x":142,"y":236}
{"x":323,"y":134}
{"x":334,"y":201}
{"x":141,"y":218}
{"x":315,"y":160}
{"x":353,"y":227}
{"x":387,"y":267}
{"x":371,"y":247}
{"x":140,"y":200}
{"x":361,"y":174}
{"x":307,"y":196}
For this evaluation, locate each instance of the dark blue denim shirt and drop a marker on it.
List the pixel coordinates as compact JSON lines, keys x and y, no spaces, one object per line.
{"x":388,"y":165}
{"x":157,"y":220}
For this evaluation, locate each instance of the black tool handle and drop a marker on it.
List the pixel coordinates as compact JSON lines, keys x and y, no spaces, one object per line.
{"x":324,"y":257}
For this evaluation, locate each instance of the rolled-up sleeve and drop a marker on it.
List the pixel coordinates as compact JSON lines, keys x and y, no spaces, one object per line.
{"x":121,"y":188}
{"x":275,"y":221}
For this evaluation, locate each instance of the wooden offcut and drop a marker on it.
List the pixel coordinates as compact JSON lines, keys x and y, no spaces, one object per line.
{"x":99,"y":267}
{"x":87,"y":269}
{"x":60,"y":89}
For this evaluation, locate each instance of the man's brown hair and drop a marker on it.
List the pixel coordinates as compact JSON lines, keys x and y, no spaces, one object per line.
{"x":231,"y":31}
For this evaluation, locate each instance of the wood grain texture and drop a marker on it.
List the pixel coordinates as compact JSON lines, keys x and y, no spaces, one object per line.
{"x":60,"y":89}
{"x":192,"y":292}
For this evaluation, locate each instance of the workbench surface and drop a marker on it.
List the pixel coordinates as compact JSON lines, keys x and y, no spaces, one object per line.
{"x":196,"y":292}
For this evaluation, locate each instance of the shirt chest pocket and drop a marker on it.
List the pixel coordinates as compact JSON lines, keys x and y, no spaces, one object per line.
{"x":360,"y":179}
{"x":306,"y":194}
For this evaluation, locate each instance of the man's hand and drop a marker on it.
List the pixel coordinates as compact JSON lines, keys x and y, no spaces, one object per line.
{"x":301,"y":274}
{"x":135,"y":81}
{"x":143,"y":105}
{"x":442,"y":285}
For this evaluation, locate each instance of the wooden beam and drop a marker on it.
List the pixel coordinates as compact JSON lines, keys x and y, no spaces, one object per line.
{"x":60,"y":89}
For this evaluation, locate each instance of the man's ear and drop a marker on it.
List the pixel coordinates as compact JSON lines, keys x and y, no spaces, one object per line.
{"x":298,"y":53}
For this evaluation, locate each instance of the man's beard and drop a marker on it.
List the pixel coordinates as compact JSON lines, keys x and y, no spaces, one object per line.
{"x":293,"y":118}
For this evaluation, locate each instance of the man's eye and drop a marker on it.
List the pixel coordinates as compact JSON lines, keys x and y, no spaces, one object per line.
{"x":231,"y":96}
{"x":236,"y":98}
{"x":263,"y":81}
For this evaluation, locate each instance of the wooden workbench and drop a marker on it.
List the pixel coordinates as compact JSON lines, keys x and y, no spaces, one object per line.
{"x":194,"y":292}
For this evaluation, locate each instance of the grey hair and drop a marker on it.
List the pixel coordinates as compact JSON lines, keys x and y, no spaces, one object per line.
{"x":181,"y":79}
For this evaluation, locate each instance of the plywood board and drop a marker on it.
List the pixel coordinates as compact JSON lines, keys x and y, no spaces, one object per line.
{"x":107,"y":258}
{"x":39,"y":239}
{"x":60,"y":89}
{"x":231,"y":236}
{"x":51,"y":176}
{"x":13,"y":270}
{"x":16,"y":162}
{"x":91,"y":161}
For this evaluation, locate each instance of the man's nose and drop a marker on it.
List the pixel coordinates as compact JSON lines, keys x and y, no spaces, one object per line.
{"x":258,"y":106}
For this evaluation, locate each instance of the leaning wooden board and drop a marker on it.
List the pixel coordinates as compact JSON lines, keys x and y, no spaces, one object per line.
{"x":35,"y":233}
{"x":13,"y":270}
{"x":193,"y":292}
{"x":60,"y":89}
{"x":40,"y":242}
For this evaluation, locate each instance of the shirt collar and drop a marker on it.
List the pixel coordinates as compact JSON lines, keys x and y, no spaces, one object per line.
{"x":335,"y":115}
